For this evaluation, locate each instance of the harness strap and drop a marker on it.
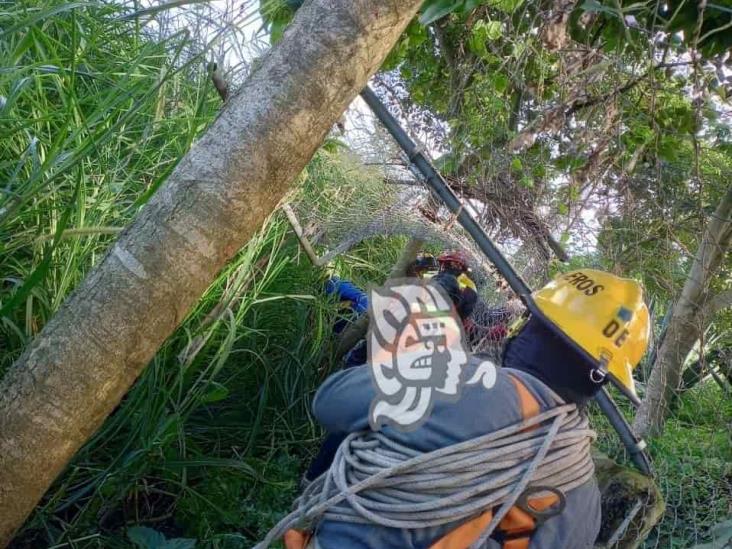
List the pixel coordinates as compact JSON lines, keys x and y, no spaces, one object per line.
{"x":296,"y":539}
{"x":515,"y":529}
{"x":529,"y":405}
{"x":466,"y":534}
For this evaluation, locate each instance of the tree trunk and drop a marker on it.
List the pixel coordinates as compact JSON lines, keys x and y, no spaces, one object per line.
{"x":687,"y":322}
{"x":76,"y":371}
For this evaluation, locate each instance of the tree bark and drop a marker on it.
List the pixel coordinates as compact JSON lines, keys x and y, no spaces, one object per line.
{"x":716,"y":303}
{"x":76,"y":371}
{"x":686,"y":322}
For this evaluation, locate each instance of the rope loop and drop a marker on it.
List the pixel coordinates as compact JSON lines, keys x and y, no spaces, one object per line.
{"x":377,"y":480}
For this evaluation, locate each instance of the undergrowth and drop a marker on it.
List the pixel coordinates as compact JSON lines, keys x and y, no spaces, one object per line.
{"x":211,"y":441}
{"x":692,"y":461}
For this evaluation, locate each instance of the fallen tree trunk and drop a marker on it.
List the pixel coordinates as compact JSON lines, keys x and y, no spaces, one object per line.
{"x":78,"y":368}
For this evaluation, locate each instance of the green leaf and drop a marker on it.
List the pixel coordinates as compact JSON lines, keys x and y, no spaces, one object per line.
{"x":516,"y":164}
{"x":332,"y":145}
{"x":527,"y":181}
{"x":500,"y":82}
{"x":432,"y":10}
{"x":180,"y":543}
{"x":215,"y":392}
{"x":40,"y":272}
{"x":210,"y":462}
{"x":506,"y":6}
{"x":145,"y":538}
{"x":668,"y":148}
{"x":593,"y":6}
{"x":6,"y":103}
{"x":476,"y":42}
{"x":570,"y":162}
{"x":40,"y":15}
{"x":277,"y":30}
{"x":152,"y":10}
{"x":470,"y":5}
{"x":482,"y":32}
{"x":574,"y":193}
{"x":494,"y":30}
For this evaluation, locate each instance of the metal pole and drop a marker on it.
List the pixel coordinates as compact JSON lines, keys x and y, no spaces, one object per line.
{"x":441,"y":189}
{"x":635,"y":446}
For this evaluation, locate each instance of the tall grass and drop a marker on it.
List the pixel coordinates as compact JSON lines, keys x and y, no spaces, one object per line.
{"x":93,"y":117}
{"x":224,"y":401}
{"x":212,"y":439}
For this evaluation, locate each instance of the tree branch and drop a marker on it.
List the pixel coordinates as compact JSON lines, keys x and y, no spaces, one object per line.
{"x":716,"y":303}
{"x":217,"y":77}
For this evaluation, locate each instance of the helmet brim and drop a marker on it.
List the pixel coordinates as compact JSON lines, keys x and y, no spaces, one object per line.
{"x":623,"y":388}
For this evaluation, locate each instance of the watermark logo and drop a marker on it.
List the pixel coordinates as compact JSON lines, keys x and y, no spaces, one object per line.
{"x":417,"y":352}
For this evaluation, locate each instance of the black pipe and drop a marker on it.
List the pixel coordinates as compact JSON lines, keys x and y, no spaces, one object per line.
{"x":636,"y":447}
{"x":441,"y":190}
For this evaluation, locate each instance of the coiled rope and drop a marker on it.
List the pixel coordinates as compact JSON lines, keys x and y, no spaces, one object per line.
{"x":375,"y":480}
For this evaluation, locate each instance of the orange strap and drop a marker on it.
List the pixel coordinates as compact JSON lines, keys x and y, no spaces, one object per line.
{"x":296,"y":539}
{"x":529,"y":404}
{"x":516,"y":521}
{"x":519,"y":543}
{"x":466,"y":534}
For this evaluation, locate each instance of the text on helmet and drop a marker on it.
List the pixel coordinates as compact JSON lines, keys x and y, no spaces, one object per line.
{"x":584,"y":283}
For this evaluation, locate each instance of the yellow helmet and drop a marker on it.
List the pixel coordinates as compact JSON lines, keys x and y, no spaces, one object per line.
{"x":464,"y":281}
{"x":603,"y":314}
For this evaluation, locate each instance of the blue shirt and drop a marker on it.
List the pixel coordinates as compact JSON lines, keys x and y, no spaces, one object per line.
{"x":342,"y":405}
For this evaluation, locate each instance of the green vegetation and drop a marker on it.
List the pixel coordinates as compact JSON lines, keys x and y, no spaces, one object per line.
{"x":695,"y":469}
{"x":210,"y":443}
{"x":692,"y":462}
{"x":93,"y":117}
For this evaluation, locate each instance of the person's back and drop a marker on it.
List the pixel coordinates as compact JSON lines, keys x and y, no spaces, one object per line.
{"x":588,"y":328}
{"x":342,"y":405}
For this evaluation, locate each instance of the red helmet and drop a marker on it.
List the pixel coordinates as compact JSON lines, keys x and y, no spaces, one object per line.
{"x":456,"y":259}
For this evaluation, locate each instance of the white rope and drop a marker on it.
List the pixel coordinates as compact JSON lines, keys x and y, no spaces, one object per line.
{"x":375,"y":480}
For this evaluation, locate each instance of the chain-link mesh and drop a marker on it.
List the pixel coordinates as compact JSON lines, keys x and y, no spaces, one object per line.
{"x":394,"y":202}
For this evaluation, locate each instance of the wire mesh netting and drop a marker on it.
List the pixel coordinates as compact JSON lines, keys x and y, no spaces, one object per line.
{"x":340,"y":218}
